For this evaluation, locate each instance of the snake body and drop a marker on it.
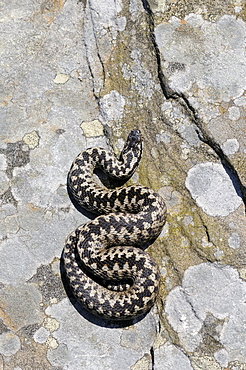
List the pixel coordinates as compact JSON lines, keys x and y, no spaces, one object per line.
{"x":108,"y":274}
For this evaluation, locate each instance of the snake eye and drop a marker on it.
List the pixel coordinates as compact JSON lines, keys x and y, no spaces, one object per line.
{"x":134,"y":137}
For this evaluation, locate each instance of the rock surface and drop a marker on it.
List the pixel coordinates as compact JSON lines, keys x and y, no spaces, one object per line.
{"x":76,"y":74}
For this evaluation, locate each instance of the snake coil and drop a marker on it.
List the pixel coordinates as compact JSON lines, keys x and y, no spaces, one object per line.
{"x":107,"y":271}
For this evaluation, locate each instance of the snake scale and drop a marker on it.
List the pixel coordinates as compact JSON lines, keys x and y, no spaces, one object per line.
{"x":107,"y":271}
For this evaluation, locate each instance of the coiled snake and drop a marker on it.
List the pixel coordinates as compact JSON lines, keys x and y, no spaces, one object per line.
{"x":107,"y":273}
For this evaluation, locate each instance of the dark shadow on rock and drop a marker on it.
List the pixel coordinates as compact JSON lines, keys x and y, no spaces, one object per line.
{"x":225,"y":161}
{"x":238,"y":186}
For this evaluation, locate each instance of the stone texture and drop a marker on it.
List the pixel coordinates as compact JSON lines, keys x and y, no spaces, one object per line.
{"x":118,"y":346}
{"x":210,"y":289}
{"x":81,"y":74}
{"x":212,"y":188}
{"x":9,"y":344}
{"x":170,"y":357}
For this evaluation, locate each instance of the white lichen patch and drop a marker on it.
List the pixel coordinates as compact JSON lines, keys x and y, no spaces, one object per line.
{"x":108,"y":16}
{"x":234,"y":240}
{"x":163,"y":136}
{"x":31,"y":139}
{"x":4,"y":182}
{"x":141,"y":78}
{"x":95,"y":346}
{"x":3,"y":162}
{"x":242,"y":273}
{"x":230,"y":146}
{"x":218,"y":254}
{"x":11,"y":225}
{"x":61,"y":78}
{"x":112,"y":106}
{"x":51,"y":324}
{"x":41,"y":335}
{"x":212,"y":189}
{"x":185,"y":153}
{"x":173,"y":199}
{"x":53,"y":300}
{"x":209,"y":54}
{"x":219,"y":291}
{"x":92,"y":128}
{"x":154,"y":153}
{"x":221,"y":357}
{"x":234,"y":113}
{"x":9,"y":343}
{"x":241,"y":101}
{"x":51,"y":343}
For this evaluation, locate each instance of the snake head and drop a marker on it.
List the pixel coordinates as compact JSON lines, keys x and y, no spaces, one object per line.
{"x":133,"y":143}
{"x":134,"y":138}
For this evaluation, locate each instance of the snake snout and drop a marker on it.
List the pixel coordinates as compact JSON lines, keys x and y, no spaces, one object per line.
{"x":135,"y":137}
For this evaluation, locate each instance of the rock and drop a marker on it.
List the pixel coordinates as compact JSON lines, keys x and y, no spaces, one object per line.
{"x":82,"y":74}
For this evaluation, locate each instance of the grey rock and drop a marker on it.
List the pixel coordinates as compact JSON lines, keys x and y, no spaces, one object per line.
{"x":214,"y":289}
{"x":20,"y":304}
{"x":112,"y":106}
{"x":18,"y":259}
{"x":234,"y":240}
{"x":9,"y":344}
{"x":212,"y":188}
{"x":100,"y":343}
{"x":222,"y":357}
{"x":81,"y":74}
{"x":170,"y":357}
{"x":203,"y":48}
{"x":41,"y":335}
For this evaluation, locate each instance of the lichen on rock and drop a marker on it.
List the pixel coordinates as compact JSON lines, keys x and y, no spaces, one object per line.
{"x":80,"y":74}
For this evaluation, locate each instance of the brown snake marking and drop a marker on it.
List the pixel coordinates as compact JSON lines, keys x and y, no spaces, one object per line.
{"x":107,"y":272}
